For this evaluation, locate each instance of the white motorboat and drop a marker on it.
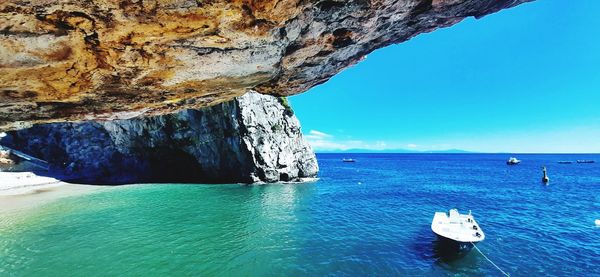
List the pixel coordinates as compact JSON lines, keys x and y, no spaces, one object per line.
{"x":513,"y":160}
{"x":459,"y":230}
{"x":585,"y":161}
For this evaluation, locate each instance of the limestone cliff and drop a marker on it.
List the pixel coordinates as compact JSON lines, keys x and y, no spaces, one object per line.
{"x":251,"y":138}
{"x":110,"y":59}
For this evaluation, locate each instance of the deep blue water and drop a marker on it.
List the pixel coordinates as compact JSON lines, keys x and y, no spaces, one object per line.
{"x":531,"y":228}
{"x":371,"y":217}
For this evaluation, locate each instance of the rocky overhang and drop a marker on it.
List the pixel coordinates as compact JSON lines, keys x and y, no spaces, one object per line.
{"x":105,"y":59}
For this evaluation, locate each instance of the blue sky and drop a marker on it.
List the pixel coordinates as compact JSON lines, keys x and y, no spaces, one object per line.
{"x":526,"y":79}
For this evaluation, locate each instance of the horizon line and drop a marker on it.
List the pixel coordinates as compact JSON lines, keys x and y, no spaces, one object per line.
{"x":454,"y":153}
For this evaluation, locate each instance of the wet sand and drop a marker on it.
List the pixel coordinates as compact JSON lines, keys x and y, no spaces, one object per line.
{"x":25,"y":190}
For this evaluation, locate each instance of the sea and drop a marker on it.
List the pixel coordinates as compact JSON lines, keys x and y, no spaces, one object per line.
{"x":367,"y":218}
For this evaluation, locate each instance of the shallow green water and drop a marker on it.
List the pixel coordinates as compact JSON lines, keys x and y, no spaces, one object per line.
{"x":156,"y":229}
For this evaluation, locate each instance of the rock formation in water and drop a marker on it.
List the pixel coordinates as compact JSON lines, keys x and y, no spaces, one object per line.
{"x":110,"y":59}
{"x":251,"y":138}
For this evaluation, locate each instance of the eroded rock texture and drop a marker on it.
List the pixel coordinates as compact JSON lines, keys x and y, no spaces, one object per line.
{"x":7,"y":160}
{"x":251,"y":138}
{"x":75,"y":60}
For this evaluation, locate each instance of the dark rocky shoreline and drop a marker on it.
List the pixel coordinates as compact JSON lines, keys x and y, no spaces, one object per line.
{"x":253,"y":138}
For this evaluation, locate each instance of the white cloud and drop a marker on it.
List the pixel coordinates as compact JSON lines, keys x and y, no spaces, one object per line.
{"x":327,"y":145}
{"x":317,"y":135}
{"x":411,"y":145}
{"x":322,"y":141}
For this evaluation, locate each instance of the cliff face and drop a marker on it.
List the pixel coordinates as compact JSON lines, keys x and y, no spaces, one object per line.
{"x":107,"y":59}
{"x":251,"y":138}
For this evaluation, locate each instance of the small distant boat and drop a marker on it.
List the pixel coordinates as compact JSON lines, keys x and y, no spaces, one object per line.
{"x":585,"y":161}
{"x":565,"y":162}
{"x":459,"y":230}
{"x":513,"y":161}
{"x":348,"y":160}
{"x":597,"y":222}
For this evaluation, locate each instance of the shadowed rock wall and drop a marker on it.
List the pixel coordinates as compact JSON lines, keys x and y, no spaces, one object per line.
{"x":249,"y":139}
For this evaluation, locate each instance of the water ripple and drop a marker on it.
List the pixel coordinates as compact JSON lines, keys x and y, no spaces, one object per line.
{"x":368,"y":218}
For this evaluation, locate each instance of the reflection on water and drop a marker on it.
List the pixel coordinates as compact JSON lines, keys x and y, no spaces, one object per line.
{"x":448,"y":251}
{"x":335,"y":226}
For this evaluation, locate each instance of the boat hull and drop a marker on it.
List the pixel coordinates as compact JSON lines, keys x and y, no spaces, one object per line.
{"x":449,"y":245}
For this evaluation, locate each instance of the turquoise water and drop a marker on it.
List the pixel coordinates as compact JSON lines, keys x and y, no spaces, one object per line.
{"x":371,"y":217}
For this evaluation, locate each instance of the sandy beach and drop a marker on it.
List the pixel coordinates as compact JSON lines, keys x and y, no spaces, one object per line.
{"x":24,"y":190}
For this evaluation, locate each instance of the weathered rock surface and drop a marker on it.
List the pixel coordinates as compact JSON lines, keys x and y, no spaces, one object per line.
{"x":251,"y":138}
{"x":7,"y":160}
{"x":76,"y":60}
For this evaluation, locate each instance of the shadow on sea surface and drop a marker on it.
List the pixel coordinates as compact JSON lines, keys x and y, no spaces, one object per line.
{"x":443,"y":253}
{"x":431,"y":247}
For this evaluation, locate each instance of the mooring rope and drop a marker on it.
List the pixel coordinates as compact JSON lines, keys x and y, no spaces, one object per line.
{"x":503,"y":272}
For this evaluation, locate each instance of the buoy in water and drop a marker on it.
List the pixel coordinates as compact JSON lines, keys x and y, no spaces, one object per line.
{"x":545,"y":178}
{"x":598,"y":222}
